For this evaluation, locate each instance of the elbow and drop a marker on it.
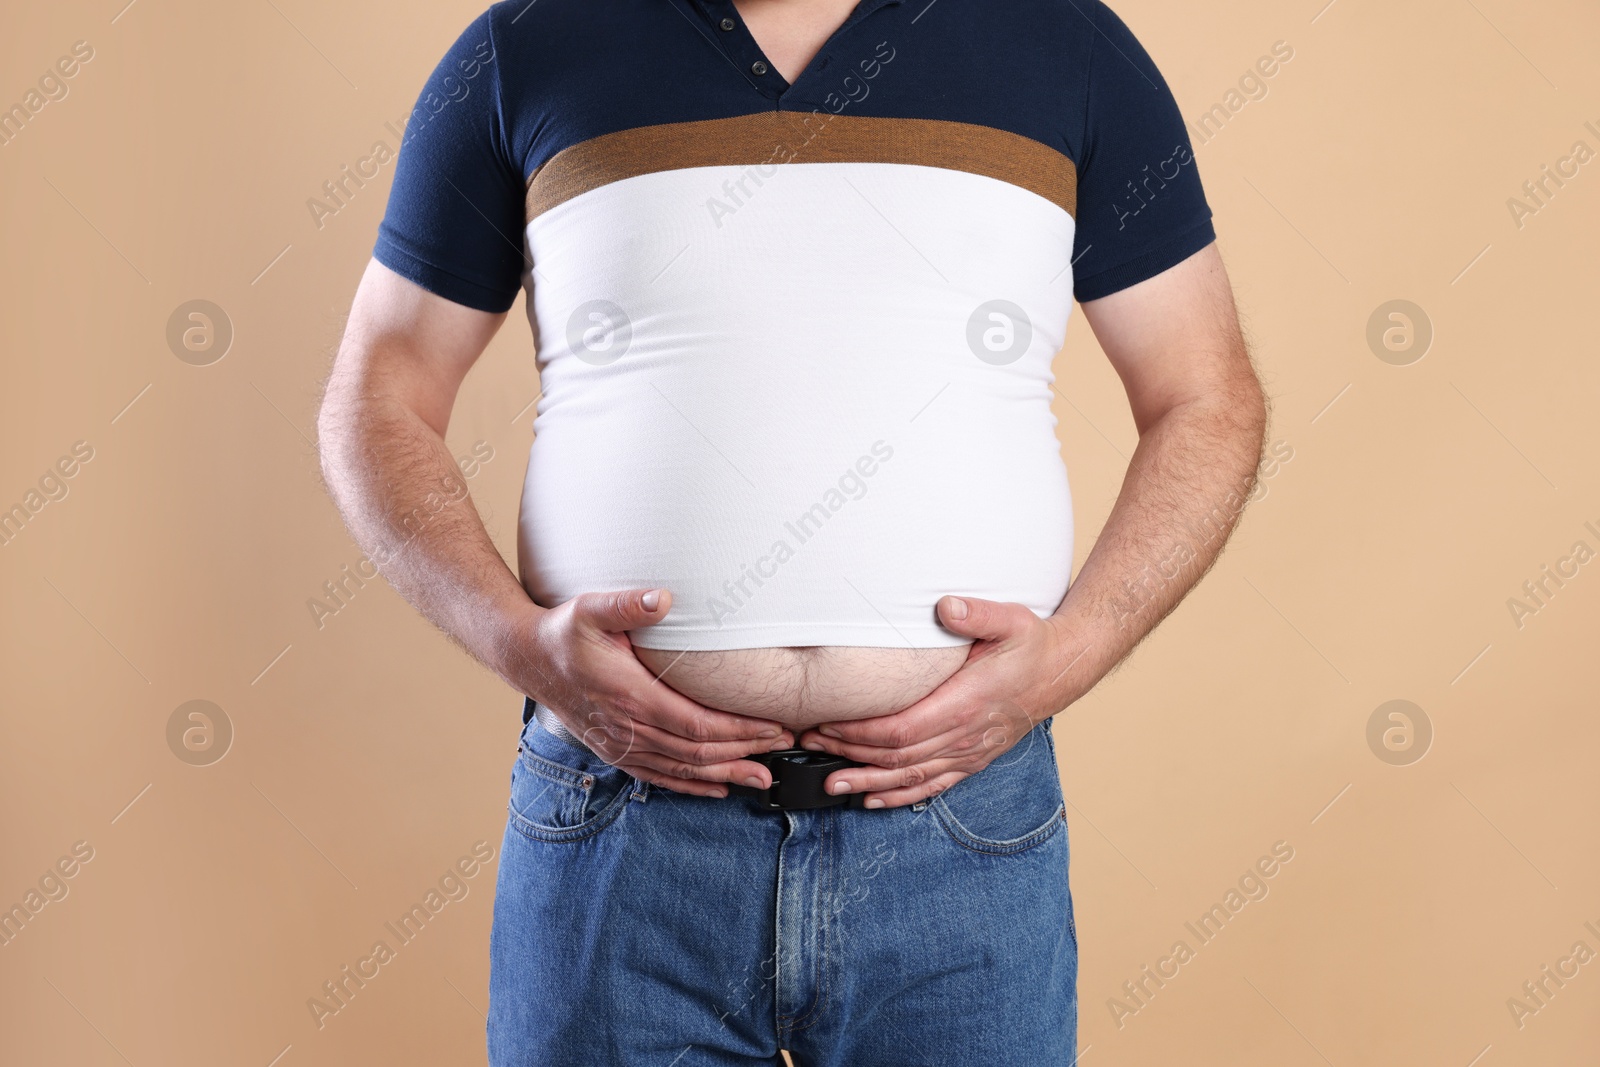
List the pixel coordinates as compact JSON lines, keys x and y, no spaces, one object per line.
{"x":1241,"y":401}
{"x":331,"y":418}
{"x":1228,"y":409}
{"x":1246,"y":414}
{"x":336,"y":419}
{"x":1235,"y":413}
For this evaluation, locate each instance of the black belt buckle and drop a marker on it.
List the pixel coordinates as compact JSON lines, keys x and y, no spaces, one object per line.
{"x":798,"y":777}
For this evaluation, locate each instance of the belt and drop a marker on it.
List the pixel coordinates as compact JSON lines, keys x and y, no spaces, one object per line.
{"x":797,"y":781}
{"x":798,"y":775}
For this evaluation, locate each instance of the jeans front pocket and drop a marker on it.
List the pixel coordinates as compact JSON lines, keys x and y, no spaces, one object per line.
{"x":561,"y":792}
{"x":1012,"y":805}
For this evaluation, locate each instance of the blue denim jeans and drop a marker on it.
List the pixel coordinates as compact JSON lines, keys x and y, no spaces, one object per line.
{"x":638,"y":927}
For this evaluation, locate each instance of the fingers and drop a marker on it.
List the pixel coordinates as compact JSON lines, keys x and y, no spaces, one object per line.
{"x":641,"y":696}
{"x":742,"y":772}
{"x":615,"y":706}
{"x":619,"y":683}
{"x":702,"y":753}
{"x":624,"y":731}
{"x":954,"y":741}
{"x":628,"y":610}
{"x":663,"y":707}
{"x":883,"y":779}
{"x":886,"y":797}
{"x":896,"y":798}
{"x":985,"y":620}
{"x":678,"y":785}
{"x":928,"y":718}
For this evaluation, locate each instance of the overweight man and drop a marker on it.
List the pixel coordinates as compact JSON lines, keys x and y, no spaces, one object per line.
{"x":793,"y":613}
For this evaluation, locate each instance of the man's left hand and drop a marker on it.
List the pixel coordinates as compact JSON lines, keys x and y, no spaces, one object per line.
{"x":1011,"y":680}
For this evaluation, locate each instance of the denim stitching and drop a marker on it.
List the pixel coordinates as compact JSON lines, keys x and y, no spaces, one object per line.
{"x":810,"y":1016}
{"x":778,"y":942}
{"x":967,"y":840}
{"x":608,"y":815}
{"x":550,"y":769}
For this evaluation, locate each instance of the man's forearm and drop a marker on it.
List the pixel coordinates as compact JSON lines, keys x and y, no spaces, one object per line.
{"x":407,"y":506}
{"x":1187,"y":485}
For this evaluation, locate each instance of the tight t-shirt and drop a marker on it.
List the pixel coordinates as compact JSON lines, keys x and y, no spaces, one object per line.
{"x":794,"y":340}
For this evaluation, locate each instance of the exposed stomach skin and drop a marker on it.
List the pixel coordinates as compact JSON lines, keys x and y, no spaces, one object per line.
{"x":806,"y":686}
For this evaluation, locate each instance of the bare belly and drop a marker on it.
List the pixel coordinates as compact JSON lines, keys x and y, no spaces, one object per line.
{"x":802,"y":687}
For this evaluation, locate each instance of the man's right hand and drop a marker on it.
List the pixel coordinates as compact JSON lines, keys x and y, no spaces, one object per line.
{"x":381,"y":429}
{"x":577,"y":660}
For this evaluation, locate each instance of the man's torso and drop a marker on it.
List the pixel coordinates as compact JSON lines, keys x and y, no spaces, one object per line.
{"x":794,"y":340}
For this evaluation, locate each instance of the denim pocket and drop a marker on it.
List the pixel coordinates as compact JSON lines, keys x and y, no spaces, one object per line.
{"x":1011,"y":805}
{"x":560,"y":792}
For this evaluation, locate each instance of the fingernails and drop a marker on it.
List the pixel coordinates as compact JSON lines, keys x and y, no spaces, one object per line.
{"x":958,"y":608}
{"x":768,"y":734}
{"x":778,"y":746}
{"x":840,"y":787}
{"x":719,"y":794}
{"x":815,"y":746}
{"x":874,"y":803}
{"x":753,"y":782}
{"x":651,"y":599}
{"x":828,"y":731}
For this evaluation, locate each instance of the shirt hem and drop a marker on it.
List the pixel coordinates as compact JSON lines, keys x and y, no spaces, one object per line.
{"x":440,"y":282}
{"x":1147,"y":265}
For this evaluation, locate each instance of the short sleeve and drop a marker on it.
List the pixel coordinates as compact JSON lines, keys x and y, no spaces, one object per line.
{"x":1141,"y":208}
{"x":454,"y":220}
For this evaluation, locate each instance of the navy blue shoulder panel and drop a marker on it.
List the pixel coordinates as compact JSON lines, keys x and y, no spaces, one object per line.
{"x":454,"y":220}
{"x":527,"y":80}
{"x":1141,"y":207}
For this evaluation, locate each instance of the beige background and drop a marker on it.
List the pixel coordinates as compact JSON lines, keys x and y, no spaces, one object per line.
{"x":369,"y":755}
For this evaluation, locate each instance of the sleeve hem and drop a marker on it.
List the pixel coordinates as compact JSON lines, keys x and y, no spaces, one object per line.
{"x":441,"y":282}
{"x":1147,"y":265}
